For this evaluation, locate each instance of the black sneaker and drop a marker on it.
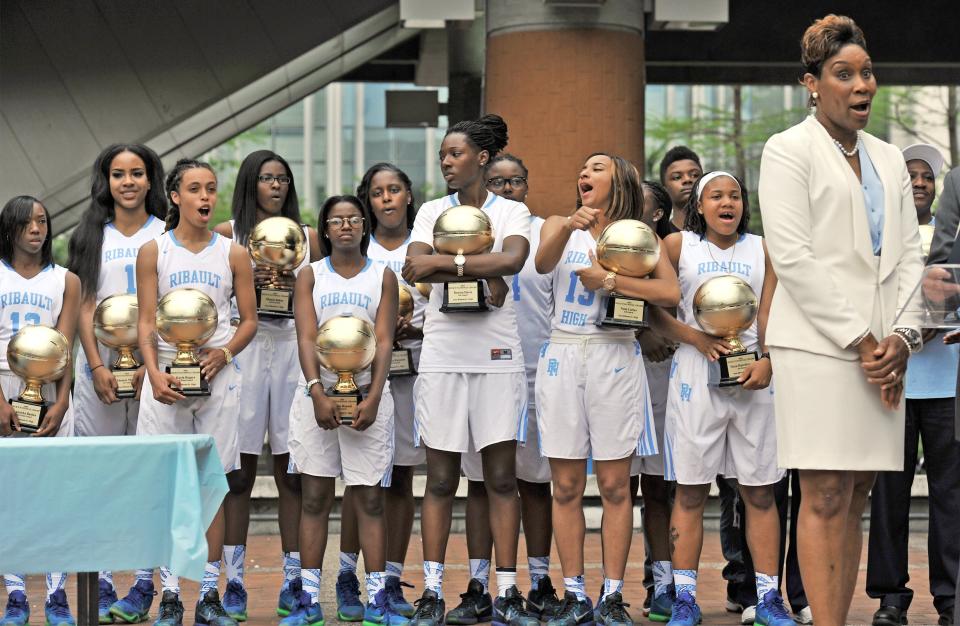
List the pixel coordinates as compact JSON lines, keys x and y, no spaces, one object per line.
{"x":543,"y":602}
{"x":647,"y":601}
{"x":510,"y":610}
{"x":170,"y":612}
{"x":573,"y":612}
{"x":475,"y":606}
{"x":613,"y":611}
{"x":430,"y":610}
{"x":210,"y":611}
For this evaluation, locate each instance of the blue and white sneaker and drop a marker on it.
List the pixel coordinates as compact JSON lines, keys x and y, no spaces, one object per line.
{"x":349,"y":607}
{"x":135,"y":606}
{"x":306,"y":614}
{"x":685,"y":611}
{"x":395,"y":595}
{"x":18,"y":610}
{"x":661,"y":607}
{"x":289,"y":600}
{"x":105,"y":599}
{"x":381,"y":613}
{"x":57,"y":610}
{"x":235,"y":600}
{"x":771,"y":612}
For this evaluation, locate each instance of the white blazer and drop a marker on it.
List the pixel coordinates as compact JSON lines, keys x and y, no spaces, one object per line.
{"x":818,"y":238}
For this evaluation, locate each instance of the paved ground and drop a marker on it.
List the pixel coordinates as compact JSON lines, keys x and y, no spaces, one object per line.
{"x":264,"y":573}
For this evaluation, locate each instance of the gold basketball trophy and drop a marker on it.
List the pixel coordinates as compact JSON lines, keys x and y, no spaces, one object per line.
{"x":38,"y":355}
{"x":115,"y":326}
{"x":345,"y":346}
{"x":628,"y":248}
{"x":279,"y":244}
{"x":401,"y":359}
{"x":460,"y":231}
{"x":724,"y":306}
{"x":186,"y":319}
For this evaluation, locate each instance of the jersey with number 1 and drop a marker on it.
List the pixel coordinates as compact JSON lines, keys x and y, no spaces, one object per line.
{"x":118,"y":257}
{"x":576,"y":308}
{"x":28,"y":301}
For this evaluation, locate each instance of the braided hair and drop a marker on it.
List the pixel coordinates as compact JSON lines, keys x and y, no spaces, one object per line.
{"x":173,"y":184}
{"x":487,"y":133}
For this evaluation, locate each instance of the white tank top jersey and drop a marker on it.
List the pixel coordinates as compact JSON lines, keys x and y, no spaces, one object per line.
{"x":334,"y":295}
{"x":267,"y":322}
{"x":28,"y":301}
{"x":208,"y":270}
{"x":700,"y":260}
{"x":533,"y":296}
{"x":394,"y":259}
{"x":576,"y":309}
{"x":487,"y":342}
{"x":118,"y":258}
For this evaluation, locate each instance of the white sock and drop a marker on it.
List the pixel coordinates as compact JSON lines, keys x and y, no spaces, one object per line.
{"x":311,"y":583}
{"x":233,"y":557}
{"x":611,"y":585}
{"x":765,"y":584}
{"x":375,"y":583}
{"x":169,"y":581}
{"x":662,"y":577}
{"x":348,"y":562}
{"x":15,"y":582}
{"x":685,"y":580}
{"x":144,"y":574}
{"x":539,"y":568}
{"x":506,"y":578}
{"x":576,"y":585}
{"x":107,"y":576}
{"x":55,"y":582}
{"x":211,"y":574}
{"x":291,"y":566}
{"x":433,"y":577}
{"x":480,"y":569}
{"x":394,"y":569}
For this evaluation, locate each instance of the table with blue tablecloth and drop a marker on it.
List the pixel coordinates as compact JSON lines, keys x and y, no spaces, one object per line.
{"x":83,"y":504}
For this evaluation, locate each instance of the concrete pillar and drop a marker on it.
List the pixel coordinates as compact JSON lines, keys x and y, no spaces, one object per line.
{"x":569,"y":81}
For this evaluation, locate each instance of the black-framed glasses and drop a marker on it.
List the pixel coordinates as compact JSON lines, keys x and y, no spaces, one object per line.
{"x":338,"y":222}
{"x":498,"y":182}
{"x":269,"y":178}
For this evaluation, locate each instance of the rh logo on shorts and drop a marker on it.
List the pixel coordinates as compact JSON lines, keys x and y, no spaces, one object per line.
{"x":553,"y":367}
{"x":501,"y":354}
{"x":685,"y":391}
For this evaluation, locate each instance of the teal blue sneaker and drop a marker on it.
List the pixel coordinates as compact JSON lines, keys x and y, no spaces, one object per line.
{"x":661,"y":607}
{"x":612,"y":611}
{"x":105,"y":598}
{"x":395,"y":595}
{"x":57,"y":611}
{"x":771,"y":612}
{"x":349,"y":607}
{"x":685,"y":611}
{"x":235,"y":601}
{"x":306,"y":615}
{"x":289,"y":600}
{"x":135,"y":606}
{"x":18,"y":610}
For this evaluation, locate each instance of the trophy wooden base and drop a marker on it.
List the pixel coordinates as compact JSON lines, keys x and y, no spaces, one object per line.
{"x":624,"y":312}
{"x":125,"y":388}
{"x":464,"y":297}
{"x":30,"y":414}
{"x":725,"y":371}
{"x":401,"y":363}
{"x":274,"y":303}
{"x":346,"y":404}
{"x":192,"y":383}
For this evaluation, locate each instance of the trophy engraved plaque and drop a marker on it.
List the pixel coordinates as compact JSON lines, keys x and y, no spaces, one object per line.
{"x":461,"y":231}
{"x":401,"y":359}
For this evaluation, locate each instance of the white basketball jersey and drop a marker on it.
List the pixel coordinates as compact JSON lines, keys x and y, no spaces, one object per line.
{"x":118,"y":257}
{"x":533,"y":296}
{"x":334,"y":295}
{"x":472,"y":342}
{"x":208,"y":270}
{"x":577,"y":309}
{"x":28,"y":301}
{"x":394,"y":259}
{"x":700,"y":260}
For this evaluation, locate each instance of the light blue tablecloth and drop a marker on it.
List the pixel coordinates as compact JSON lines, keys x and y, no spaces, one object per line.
{"x":83,"y":504}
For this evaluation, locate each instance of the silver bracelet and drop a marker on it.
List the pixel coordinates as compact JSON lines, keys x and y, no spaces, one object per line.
{"x":856,"y":342}
{"x":309,"y":386}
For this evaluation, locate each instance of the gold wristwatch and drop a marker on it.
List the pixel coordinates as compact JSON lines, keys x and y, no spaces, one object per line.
{"x":610,"y":282}
{"x":227,"y":355}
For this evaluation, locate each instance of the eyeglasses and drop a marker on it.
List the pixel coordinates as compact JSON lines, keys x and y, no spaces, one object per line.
{"x":498,"y":182}
{"x":269,"y":178}
{"x":338,"y":222}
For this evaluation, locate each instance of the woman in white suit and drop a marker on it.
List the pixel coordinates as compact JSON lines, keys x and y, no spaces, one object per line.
{"x":842,"y":234}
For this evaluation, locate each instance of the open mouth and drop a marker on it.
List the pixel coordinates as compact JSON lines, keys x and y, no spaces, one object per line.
{"x":585,"y":187}
{"x":204,"y":211}
{"x":861,"y":107}
{"x":727,"y":216}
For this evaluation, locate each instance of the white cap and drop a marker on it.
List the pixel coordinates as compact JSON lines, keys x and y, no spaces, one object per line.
{"x":926,"y":153}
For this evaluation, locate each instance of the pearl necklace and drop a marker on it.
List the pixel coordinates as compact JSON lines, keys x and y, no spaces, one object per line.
{"x":856,"y":148}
